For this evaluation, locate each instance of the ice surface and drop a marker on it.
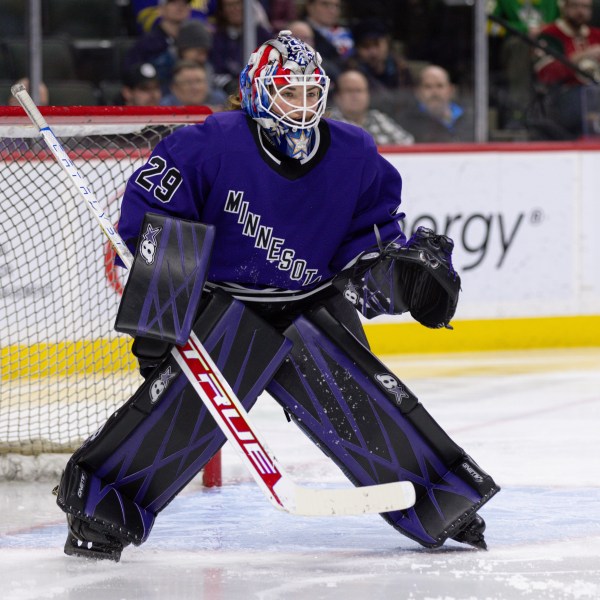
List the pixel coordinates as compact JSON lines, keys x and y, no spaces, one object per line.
{"x":531,"y":419}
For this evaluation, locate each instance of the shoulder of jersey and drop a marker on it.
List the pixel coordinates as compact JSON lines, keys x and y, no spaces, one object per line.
{"x":218,"y":132}
{"x":350,"y":137}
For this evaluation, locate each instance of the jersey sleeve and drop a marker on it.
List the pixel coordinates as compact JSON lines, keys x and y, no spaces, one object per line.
{"x":378,"y":205}
{"x":167,"y":183}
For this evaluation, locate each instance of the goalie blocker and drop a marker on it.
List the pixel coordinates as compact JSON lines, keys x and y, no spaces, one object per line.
{"x":149,"y":449}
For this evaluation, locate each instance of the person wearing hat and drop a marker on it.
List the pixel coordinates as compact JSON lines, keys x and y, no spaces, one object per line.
{"x":306,"y":222}
{"x":158,"y":45}
{"x":386,"y":71}
{"x":194,"y":41}
{"x":146,"y":13}
{"x":375,"y":56}
{"x":141,"y":86}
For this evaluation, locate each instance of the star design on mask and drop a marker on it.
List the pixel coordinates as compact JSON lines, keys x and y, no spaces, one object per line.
{"x":299,"y":145}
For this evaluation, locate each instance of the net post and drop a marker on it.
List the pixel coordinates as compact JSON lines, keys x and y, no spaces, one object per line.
{"x":212,"y":475}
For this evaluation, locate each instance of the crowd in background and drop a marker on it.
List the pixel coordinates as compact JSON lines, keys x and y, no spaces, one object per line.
{"x":402,"y":70}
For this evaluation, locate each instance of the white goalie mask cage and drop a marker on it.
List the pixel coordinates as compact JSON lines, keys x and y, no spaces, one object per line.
{"x":285,"y":84}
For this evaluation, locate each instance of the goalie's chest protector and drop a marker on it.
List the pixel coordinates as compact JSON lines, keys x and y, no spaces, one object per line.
{"x":277,"y":224}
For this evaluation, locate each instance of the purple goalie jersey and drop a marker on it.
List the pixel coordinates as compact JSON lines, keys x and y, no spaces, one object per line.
{"x":279,"y":223}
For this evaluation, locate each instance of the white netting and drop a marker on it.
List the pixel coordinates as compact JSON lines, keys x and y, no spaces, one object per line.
{"x":63,"y":370}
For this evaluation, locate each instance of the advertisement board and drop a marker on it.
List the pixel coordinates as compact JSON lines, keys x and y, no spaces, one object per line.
{"x":523,"y":224}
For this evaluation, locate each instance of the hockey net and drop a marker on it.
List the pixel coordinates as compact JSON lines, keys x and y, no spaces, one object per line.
{"x":63,"y":369}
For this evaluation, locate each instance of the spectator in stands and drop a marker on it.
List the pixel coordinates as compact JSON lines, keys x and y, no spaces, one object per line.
{"x":280,"y":12}
{"x":515,"y":54}
{"x":351,"y":98}
{"x":390,"y":80}
{"x":303,"y":31}
{"x":141,"y":86}
{"x":434,"y":115}
{"x":261,"y":18}
{"x":194,"y":43}
{"x":333,"y":41}
{"x":226,"y":55}
{"x":158,"y":45}
{"x":43,"y":93}
{"x":375,"y":56}
{"x":190,"y":86}
{"x":412,"y":21}
{"x":573,"y":37}
{"x":147,"y":12}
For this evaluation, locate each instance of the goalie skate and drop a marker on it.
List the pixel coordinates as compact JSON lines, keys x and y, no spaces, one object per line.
{"x":88,"y":541}
{"x":472,"y":534}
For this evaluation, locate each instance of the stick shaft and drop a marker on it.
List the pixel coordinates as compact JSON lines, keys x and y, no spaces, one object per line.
{"x":78,"y":181}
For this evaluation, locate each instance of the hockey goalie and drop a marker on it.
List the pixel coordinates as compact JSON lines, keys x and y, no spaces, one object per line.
{"x":266,"y":231}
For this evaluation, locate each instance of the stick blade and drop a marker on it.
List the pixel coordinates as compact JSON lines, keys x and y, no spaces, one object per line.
{"x":314,"y":502}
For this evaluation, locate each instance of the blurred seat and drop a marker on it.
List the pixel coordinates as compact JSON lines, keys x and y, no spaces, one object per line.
{"x":5,"y":85}
{"x":13,"y":18}
{"x":6,"y":70}
{"x":120,"y":47}
{"x":72,"y":93}
{"x":100,"y":19}
{"x":57,"y":58}
{"x":110,"y":92}
{"x":98,"y":60}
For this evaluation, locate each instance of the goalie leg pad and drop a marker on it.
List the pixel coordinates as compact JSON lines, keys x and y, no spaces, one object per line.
{"x":150,"y":448}
{"x":164,"y":288}
{"x":376,"y":431}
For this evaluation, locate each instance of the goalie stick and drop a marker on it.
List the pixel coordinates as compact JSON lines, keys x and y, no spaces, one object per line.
{"x":219,"y":398}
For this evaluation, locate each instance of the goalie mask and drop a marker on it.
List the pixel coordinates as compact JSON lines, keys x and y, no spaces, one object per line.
{"x":284,"y":89}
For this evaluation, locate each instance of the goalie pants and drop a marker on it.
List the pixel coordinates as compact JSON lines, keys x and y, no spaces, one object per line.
{"x":324,"y":376}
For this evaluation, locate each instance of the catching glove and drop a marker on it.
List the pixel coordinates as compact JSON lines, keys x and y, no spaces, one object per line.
{"x":416,"y":277}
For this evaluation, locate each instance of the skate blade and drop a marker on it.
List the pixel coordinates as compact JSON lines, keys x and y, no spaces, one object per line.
{"x":74,"y":547}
